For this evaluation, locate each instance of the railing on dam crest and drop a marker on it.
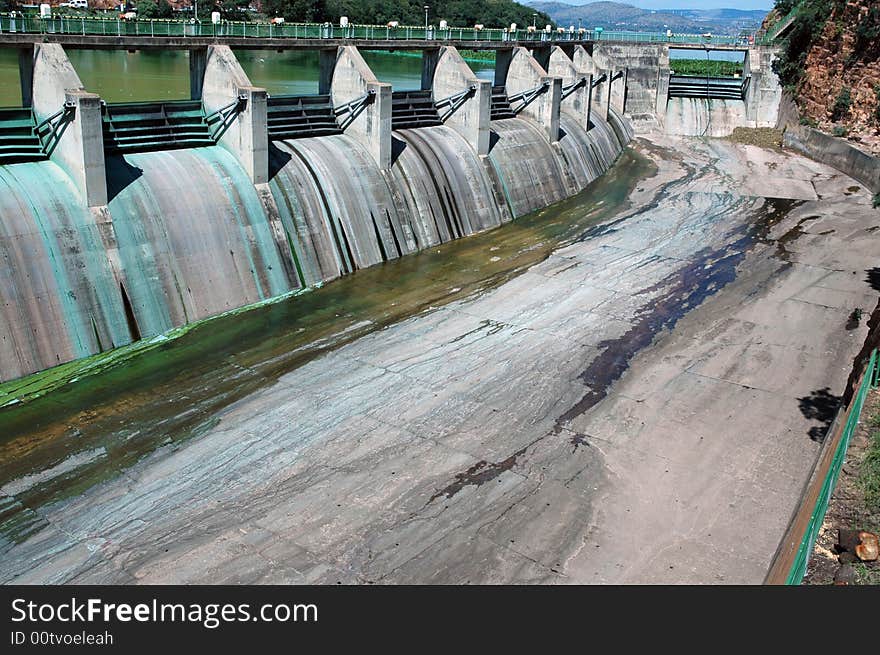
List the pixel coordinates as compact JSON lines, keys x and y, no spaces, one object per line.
{"x":114,"y":26}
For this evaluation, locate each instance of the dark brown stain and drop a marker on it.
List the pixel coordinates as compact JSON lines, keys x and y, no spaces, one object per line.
{"x":684,"y":290}
{"x":481,"y":473}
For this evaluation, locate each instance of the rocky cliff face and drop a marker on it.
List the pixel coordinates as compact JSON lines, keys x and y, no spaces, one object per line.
{"x":845,"y":56}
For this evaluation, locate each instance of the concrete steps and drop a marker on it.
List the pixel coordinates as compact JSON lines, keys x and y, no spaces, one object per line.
{"x":146,"y":126}
{"x":19,"y":141}
{"x":412,"y":109}
{"x":500,"y":104}
{"x":296,"y":117}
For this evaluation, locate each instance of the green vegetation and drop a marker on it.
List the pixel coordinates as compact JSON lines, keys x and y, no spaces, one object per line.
{"x":867,"y":576}
{"x":711,"y":67}
{"x":842,"y":103}
{"x":491,"y":13}
{"x":478,"y":55}
{"x":763,"y":137}
{"x":877,"y":108}
{"x":807,"y":26}
{"x":785,"y":6}
{"x":876,"y":201}
{"x":840,"y":130}
{"x":154,"y":9}
{"x":867,"y":45}
{"x":869,"y":472}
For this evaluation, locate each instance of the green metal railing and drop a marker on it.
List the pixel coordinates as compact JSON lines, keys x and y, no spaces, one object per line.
{"x":115,"y":26}
{"x":784,"y":21}
{"x":870,"y":379}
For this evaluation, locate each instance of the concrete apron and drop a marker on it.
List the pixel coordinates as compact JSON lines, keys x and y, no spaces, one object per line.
{"x":638,"y":407}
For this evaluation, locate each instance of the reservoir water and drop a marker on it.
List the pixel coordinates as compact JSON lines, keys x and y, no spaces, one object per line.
{"x":120,"y":76}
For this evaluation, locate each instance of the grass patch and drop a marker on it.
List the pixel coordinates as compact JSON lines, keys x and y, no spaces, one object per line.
{"x":869,"y":474}
{"x":764,"y":137}
{"x":867,"y":576}
{"x":711,"y":67}
{"x":478,"y":55}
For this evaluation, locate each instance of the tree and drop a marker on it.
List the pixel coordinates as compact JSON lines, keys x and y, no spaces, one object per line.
{"x":163,"y":9}
{"x":297,"y":11}
{"x":147,"y":9}
{"x":842,"y":104}
{"x":458,"y":13}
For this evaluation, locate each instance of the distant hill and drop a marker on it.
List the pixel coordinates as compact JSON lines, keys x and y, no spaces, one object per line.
{"x":619,"y":16}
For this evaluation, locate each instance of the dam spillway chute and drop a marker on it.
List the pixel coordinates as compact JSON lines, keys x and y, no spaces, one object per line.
{"x":443,"y":184}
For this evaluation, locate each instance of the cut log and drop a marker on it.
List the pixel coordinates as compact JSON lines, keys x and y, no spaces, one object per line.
{"x":869,"y":548}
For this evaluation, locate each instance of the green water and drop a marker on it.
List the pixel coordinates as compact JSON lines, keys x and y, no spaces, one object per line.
{"x":10,"y":86}
{"x":121,"y":76}
{"x":142,"y":399}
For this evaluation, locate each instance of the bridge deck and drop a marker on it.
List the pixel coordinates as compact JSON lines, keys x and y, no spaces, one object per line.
{"x":115,"y":42}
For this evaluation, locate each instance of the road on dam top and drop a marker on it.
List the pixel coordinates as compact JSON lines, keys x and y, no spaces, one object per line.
{"x":643,"y":405}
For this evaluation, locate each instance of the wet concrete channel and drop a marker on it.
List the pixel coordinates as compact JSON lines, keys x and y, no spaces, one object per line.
{"x":604,"y":391}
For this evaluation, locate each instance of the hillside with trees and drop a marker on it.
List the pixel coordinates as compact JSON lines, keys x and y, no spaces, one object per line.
{"x":491,"y":13}
{"x":830,"y":64}
{"x":620,"y":16}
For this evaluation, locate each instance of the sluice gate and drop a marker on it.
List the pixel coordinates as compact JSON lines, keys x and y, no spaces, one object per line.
{"x":501,"y":108}
{"x":19,"y":140}
{"x":23,"y":138}
{"x":411,"y":109}
{"x":296,"y":117}
{"x":147,"y":126}
{"x":718,"y":88}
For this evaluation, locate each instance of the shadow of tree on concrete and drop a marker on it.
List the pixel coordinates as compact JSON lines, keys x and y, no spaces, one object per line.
{"x":874,"y":278}
{"x":821,"y":405}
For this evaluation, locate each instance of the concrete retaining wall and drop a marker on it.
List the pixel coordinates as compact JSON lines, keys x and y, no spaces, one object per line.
{"x":835,"y":152}
{"x":644,"y":62}
{"x":764,"y":93}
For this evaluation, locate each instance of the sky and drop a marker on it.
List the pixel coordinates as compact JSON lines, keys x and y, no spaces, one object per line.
{"x":690,"y":4}
{"x":698,"y":4}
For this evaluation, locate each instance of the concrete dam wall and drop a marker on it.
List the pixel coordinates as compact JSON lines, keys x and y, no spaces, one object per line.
{"x":178,"y":235}
{"x":683,"y":105}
